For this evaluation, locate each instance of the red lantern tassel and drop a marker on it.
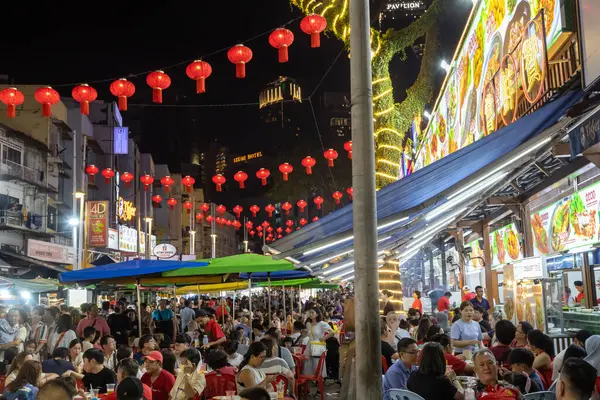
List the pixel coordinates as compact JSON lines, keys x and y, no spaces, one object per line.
{"x":91,"y":179}
{"x":240,"y":70}
{"x":171,"y":207}
{"x":46,"y":109}
{"x":350,"y":155}
{"x":166,"y":189}
{"x":283,"y":54}
{"x":122,"y":103}
{"x":200,"y":85}
{"x":270,"y":214}
{"x":146,"y":188}
{"x":154,"y":204}
{"x":107,"y":181}
{"x":315,"y":39}
{"x":189,"y":211}
{"x":219,"y":187}
{"x":318,"y":206}
{"x":84,"y":107}
{"x":189,"y":189}
{"x":330,"y":162}
{"x":11,"y":111}
{"x":285,"y":176}
{"x":264,"y":181}
{"x":242,"y":185}
{"x":157,"y":95}
{"x":254,"y":214}
{"x":128,"y":184}
{"x":337,"y":201}
{"x":301,"y":209}
{"x":308,"y":170}
{"x":287,"y":212}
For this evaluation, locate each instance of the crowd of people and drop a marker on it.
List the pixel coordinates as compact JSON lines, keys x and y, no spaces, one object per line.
{"x":471,"y":352}
{"x":62,"y":352}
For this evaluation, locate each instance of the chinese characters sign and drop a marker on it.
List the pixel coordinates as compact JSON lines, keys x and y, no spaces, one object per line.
{"x":97,"y":223}
{"x":125,"y":210}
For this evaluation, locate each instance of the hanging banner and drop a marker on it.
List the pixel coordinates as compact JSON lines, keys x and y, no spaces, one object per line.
{"x":52,"y":252}
{"x":97,"y":223}
{"x":505,"y":245}
{"x":569,"y":223}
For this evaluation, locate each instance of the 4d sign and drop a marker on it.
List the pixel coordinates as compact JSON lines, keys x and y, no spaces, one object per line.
{"x":125,"y":210}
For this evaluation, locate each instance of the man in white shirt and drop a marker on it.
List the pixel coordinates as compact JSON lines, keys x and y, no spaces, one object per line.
{"x":299,"y":330}
{"x":109,"y":347}
{"x":186,"y":314}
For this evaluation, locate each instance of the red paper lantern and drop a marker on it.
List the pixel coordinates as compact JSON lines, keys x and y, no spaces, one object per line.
{"x":279,"y":229}
{"x":199,"y":216}
{"x":240,"y":55}
{"x":279,"y":236}
{"x":252,"y":233}
{"x":205,"y":207}
{"x":318,"y":201}
{"x":301,"y":204}
{"x":219,"y":180}
{"x":122,"y":89}
{"x":108,"y":173}
{"x":287,"y":207}
{"x":337,"y":196}
{"x":303,"y":221}
{"x":260,"y":234}
{"x":158,"y":81}
{"x":238,"y":210}
{"x":221,"y":209}
{"x":172,"y":202}
{"x":264,"y":224}
{"x":348,"y":148}
{"x":350,"y":192}
{"x":156,"y":199}
{"x":237,"y":225}
{"x":47,"y":97}
{"x":167,"y":182}
{"x":263,"y":174}
{"x":285,"y":169}
{"x":188,"y":182}
{"x":249,"y":224}
{"x":313,"y":25}
{"x":91,"y":170}
{"x":288,"y":230}
{"x":308,"y":162}
{"x":330,"y":155}
{"x":254,"y":209}
{"x":12,"y":97}
{"x":127,"y":177}
{"x":259,"y":228}
{"x":289,"y":223}
{"x":210,"y":218}
{"x":269,"y":208}
{"x":188,"y":205}
{"x":281,"y":39}
{"x":147,"y":180}
{"x":240,"y":177}
{"x":270,"y":229}
{"x":199,"y":70}
{"x":315,"y":218}
{"x":84,"y":94}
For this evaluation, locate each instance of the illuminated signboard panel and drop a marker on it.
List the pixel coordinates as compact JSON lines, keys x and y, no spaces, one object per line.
{"x":502,"y":58}
{"x":505,"y":245}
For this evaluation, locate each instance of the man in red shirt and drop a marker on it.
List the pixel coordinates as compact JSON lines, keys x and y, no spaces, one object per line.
{"x":128,"y":368}
{"x":467,"y":294}
{"x":160,"y":381}
{"x":210,"y":327}
{"x":444,"y":302}
{"x":580,"y":296}
{"x":95,"y":320}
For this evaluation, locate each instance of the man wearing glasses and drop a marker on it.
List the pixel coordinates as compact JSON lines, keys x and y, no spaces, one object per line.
{"x":397,"y":376}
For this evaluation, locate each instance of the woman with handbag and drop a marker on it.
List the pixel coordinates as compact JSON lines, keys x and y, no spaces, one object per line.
{"x":318,"y":332}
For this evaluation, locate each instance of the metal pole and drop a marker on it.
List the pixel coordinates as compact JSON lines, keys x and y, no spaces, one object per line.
{"x":245,"y":235}
{"x":75,"y":238}
{"x":283,"y":294}
{"x":269,"y":292}
{"x":213,"y":234}
{"x":299,"y":300}
{"x":139,"y":307}
{"x":80,"y":239}
{"x":250,"y":298}
{"x":233,"y":306}
{"x":368,"y":336}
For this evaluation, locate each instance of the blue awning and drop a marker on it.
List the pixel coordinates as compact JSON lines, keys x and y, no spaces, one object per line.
{"x":129,"y":269}
{"x":428,"y":183}
{"x":276,"y":275}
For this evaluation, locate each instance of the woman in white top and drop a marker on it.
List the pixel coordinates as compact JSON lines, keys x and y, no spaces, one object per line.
{"x":318,"y":331}
{"x":250,"y":375}
{"x":63,"y":335}
{"x":76,"y":355}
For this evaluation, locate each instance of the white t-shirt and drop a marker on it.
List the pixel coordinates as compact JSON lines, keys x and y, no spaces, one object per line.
{"x":53,"y":343}
{"x":236,"y":360}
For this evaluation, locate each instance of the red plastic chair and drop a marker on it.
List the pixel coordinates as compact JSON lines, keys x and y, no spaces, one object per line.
{"x":2,"y":383}
{"x":299,"y":362}
{"x":280,"y":378}
{"x":218,"y":384}
{"x":304,"y":380}
{"x":384,"y":364}
{"x":303,"y":347}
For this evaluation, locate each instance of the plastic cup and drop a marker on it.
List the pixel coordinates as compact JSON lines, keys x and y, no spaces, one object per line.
{"x":230,"y":394}
{"x":110,"y":387}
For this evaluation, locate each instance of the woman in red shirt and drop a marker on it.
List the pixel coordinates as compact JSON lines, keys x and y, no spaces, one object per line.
{"x":160,"y":381}
{"x":417,"y":305}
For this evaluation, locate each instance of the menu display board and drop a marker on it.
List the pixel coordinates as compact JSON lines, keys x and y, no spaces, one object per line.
{"x":502,"y":57}
{"x":569,"y":223}
{"x":476,"y":260}
{"x":505,"y":244}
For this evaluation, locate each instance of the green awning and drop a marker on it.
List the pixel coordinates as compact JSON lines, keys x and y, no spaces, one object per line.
{"x":305,"y":283}
{"x":235,"y":265}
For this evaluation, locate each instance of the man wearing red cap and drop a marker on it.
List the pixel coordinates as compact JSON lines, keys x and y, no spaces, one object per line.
{"x":160,"y":381}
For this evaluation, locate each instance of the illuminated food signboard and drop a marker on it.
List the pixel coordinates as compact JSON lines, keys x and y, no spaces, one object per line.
{"x":505,"y":245}
{"x":500,"y":62}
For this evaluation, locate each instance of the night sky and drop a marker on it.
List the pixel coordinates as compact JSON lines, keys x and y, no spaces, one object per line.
{"x":99,"y":42}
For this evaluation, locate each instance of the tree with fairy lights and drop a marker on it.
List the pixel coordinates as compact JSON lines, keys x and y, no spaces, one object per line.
{"x":392,"y":120}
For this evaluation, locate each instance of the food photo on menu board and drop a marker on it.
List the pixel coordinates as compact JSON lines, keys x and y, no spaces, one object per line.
{"x":500,"y":63}
{"x":505,"y":245}
{"x":569,"y":223}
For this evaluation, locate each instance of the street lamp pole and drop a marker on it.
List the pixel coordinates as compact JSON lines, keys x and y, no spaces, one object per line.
{"x":368,"y":342}
{"x":81,"y":197}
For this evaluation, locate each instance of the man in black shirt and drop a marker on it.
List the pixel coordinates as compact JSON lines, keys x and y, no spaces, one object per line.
{"x":95,"y":375}
{"x":120,"y":325}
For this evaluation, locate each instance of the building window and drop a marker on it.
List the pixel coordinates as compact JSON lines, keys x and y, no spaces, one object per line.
{"x":11,"y":154}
